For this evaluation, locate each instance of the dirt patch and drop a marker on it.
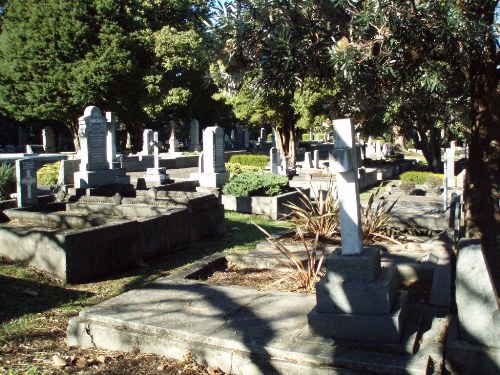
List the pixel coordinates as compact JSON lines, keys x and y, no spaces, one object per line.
{"x":262,"y":279}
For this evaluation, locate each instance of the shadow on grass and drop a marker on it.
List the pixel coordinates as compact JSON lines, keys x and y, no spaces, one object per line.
{"x":19,"y":297}
{"x":240,"y":235}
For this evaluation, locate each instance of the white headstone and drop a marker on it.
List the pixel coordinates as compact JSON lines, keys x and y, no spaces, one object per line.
{"x":450,"y":167}
{"x":346,"y":168}
{"x":48,"y":139}
{"x":111,"y":137}
{"x":27,"y":194}
{"x":378,"y":150}
{"x":274,"y":160}
{"x":316,"y":159}
{"x":147,"y":137}
{"x":173,"y":142}
{"x":263,"y":135}
{"x":155,"y":143}
{"x":308,"y":164}
{"x":385,"y":151}
{"x":194,"y":135}
{"x":213,"y":150}
{"x":93,"y":130}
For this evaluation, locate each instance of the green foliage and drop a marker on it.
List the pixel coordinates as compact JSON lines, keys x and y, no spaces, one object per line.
{"x":407,"y":186}
{"x":7,"y":180}
{"x":48,"y":174}
{"x":306,"y":137}
{"x":253,"y":160}
{"x":235,"y":168}
{"x":420,"y":178}
{"x":434,"y":182}
{"x":248,"y":184}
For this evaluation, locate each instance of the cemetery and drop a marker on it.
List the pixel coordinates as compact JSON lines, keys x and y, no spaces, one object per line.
{"x":249,"y":188}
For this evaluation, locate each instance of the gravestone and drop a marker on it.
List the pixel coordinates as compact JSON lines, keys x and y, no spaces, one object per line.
{"x":246,"y":138}
{"x":308,"y":164}
{"x":357,"y":299}
{"x":34,"y":149}
{"x":94,"y":166}
{"x":27,"y":194}
{"x":194,"y":134}
{"x":274,"y":161}
{"x":311,"y":135}
{"x":450,"y":166}
{"x":316,"y":159}
{"x":111,"y":140}
{"x":156,"y":176}
{"x":263,"y":136}
{"x":285,"y":167}
{"x":147,"y":138}
{"x":378,"y":150}
{"x":273,"y":138}
{"x":232,"y":134}
{"x":214,"y":169}
{"x":173,"y":142}
{"x":385,"y":151}
{"x":48,"y":139}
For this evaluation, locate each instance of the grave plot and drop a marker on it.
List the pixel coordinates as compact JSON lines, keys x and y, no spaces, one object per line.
{"x":248,"y":330}
{"x":96,"y":236}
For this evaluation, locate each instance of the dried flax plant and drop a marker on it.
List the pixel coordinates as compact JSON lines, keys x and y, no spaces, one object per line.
{"x":318,"y":216}
{"x":307,"y":275}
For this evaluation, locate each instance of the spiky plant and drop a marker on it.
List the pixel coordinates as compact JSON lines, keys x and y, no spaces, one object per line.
{"x":374,"y":219}
{"x":318,"y":216}
{"x":7,"y":180}
{"x":307,"y":275}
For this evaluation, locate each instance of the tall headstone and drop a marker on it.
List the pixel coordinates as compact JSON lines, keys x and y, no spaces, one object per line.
{"x":311,"y":135}
{"x":273,"y":138}
{"x":246,"y":138}
{"x":94,"y":166}
{"x":173,"y":142}
{"x":194,"y":134}
{"x":156,"y":176}
{"x":378,"y":150}
{"x":147,"y":138}
{"x":385,"y":151}
{"x":27,"y":194}
{"x":111,"y":138}
{"x":308,"y":164}
{"x":214,"y":169}
{"x":274,"y":157}
{"x":357,"y":299}
{"x":263,"y":136}
{"x":450,"y":167}
{"x":316,"y":159}
{"x":48,"y":139}
{"x":239,"y":137}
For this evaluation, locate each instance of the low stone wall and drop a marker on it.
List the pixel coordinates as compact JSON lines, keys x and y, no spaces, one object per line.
{"x":97,"y":236}
{"x":272,"y":207}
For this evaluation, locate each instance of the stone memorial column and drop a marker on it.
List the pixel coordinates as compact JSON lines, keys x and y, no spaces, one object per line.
{"x":357,"y":300}
{"x":214,"y":174}
{"x":194,"y":134}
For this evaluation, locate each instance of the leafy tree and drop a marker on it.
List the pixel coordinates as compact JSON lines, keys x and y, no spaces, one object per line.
{"x":127,"y":56}
{"x":271,"y":49}
{"x":435,"y":64}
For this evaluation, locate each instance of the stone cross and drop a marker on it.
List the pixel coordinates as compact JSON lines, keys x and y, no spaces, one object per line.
{"x":26,"y":183}
{"x":156,"y":144}
{"x":345,"y":164}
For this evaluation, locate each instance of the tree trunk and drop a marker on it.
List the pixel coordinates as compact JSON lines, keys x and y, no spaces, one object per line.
{"x":73,"y":129}
{"x":430,"y":148}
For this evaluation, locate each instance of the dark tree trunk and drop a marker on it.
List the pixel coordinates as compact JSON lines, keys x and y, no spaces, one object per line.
{"x":72,"y":125}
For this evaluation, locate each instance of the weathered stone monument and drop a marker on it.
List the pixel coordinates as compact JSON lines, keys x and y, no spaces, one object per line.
{"x":316,"y":159}
{"x":111,"y":140}
{"x":147,"y":138}
{"x":48,"y":139}
{"x":357,"y":299}
{"x":274,"y":160}
{"x":194,"y":135}
{"x":94,"y":166}
{"x":308,"y":164}
{"x":378,"y":150}
{"x":263,"y":136}
{"x":156,"y":176}
{"x":450,"y":166}
{"x":173,"y":142}
{"x":26,"y":182}
{"x":214,"y":169}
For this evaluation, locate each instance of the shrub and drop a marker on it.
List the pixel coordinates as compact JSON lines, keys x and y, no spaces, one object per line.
{"x":251,"y":160}
{"x":434,"y":182}
{"x":407,"y":186}
{"x":418,"y":178}
{"x":7,"y":180}
{"x":48,"y":174}
{"x":235,"y":168}
{"x":248,"y":184}
{"x":306,"y":137}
